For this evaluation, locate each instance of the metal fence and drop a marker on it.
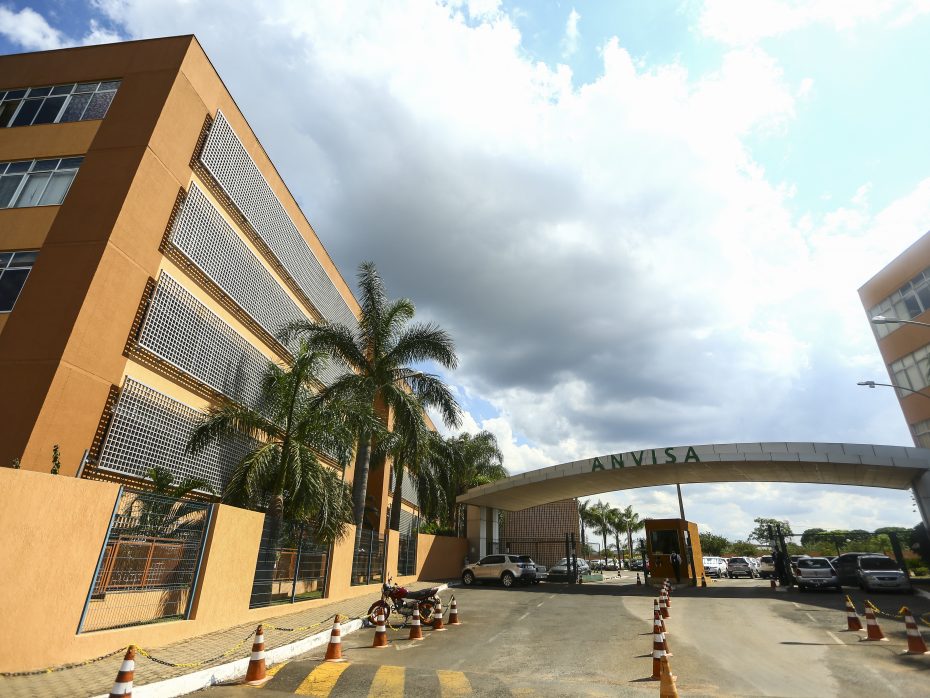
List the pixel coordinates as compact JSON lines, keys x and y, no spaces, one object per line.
{"x":545,"y":552}
{"x":291,"y":566}
{"x":407,"y":554}
{"x":368,"y":558}
{"x":149,"y":563}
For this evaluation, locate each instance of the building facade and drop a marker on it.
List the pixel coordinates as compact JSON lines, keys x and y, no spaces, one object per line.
{"x":540,"y":531}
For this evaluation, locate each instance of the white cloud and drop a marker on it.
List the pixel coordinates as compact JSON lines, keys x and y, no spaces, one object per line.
{"x":616,"y":268}
{"x":29,"y":29}
{"x":737,"y":22}
{"x":572,"y":35}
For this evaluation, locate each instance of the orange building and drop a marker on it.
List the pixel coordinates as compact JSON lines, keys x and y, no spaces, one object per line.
{"x":901,"y":291}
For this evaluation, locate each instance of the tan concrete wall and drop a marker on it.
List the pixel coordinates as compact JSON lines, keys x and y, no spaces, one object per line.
{"x":440,"y":557}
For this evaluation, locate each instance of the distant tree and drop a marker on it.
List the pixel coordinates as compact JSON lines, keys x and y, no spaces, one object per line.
{"x":742,"y":547}
{"x":812,"y":536}
{"x":712,"y":544}
{"x":760,"y":533}
{"x":920,"y":542}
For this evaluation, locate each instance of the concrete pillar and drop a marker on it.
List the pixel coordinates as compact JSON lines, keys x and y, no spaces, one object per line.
{"x":495,"y":529}
{"x":922,"y":495}
{"x":476,"y":527}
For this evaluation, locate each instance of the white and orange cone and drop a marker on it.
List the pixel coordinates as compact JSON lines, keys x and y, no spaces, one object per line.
{"x":915,"y":643}
{"x":454,"y":613}
{"x":772,"y":584}
{"x":667,"y":687}
{"x":334,"y":648}
{"x":852,"y":618}
{"x":656,"y":616}
{"x":658,"y":652}
{"x":703,"y":581}
{"x":122,"y":688}
{"x":437,"y":615}
{"x":416,"y":629}
{"x":256,"y":674}
{"x":380,"y":640}
{"x":663,"y":607}
{"x":668,"y":595}
{"x":657,"y":628}
{"x":639,"y":582}
{"x":874,"y":632}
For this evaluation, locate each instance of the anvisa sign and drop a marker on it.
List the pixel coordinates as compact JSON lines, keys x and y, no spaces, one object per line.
{"x":647,"y":457}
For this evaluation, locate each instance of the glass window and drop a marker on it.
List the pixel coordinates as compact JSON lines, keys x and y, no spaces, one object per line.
{"x":49,"y":111}
{"x":32,"y":190}
{"x":913,"y":306}
{"x":86,"y":87}
{"x":7,"y":109}
{"x":14,"y":268}
{"x":21,"y":166}
{"x":62,"y":89}
{"x":46,"y":182}
{"x":15,"y":94}
{"x":109,"y":85}
{"x":98,"y":106}
{"x":57,"y":188}
{"x":26,"y":112}
{"x":8,"y":186}
{"x":39,"y":91}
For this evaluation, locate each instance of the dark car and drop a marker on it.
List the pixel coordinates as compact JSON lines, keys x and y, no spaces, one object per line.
{"x":846,"y":566}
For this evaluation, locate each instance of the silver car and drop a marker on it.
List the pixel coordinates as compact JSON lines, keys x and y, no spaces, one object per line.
{"x":541,"y":574}
{"x":562,"y":567}
{"x":740,"y":566}
{"x":506,"y":569}
{"x":881,"y":572}
{"x":816,"y":573}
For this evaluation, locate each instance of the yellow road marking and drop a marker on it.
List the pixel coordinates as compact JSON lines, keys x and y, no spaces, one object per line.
{"x":523,"y":692}
{"x":388,"y":683}
{"x":276,"y":668}
{"x":453,"y":684}
{"x":320,"y":681}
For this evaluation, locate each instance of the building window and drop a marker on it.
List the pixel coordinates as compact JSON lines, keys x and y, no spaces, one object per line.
{"x":57,"y":104}
{"x":909,"y":301}
{"x":14,"y":268}
{"x":36,"y":182}
{"x":921,"y":432}
{"x":912,"y":371}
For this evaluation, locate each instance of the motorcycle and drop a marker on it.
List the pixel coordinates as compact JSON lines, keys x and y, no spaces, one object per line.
{"x":400,"y":600}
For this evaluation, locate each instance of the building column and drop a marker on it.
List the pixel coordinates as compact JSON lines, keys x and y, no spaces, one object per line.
{"x":476,"y":528}
{"x":495,"y":529}
{"x":922,"y":495}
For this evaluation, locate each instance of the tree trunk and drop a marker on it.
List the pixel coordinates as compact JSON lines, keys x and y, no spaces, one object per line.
{"x":629,"y":534}
{"x":360,"y":483}
{"x":396,"y":500}
{"x":605,"y":546}
{"x":263,"y":586}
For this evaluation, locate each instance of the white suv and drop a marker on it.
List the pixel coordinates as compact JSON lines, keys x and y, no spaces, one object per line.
{"x":506,"y":569}
{"x":715,"y":566}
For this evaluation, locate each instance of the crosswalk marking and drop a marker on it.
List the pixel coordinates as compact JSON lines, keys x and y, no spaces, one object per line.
{"x":320,"y":681}
{"x":388,"y":683}
{"x":453,"y":684}
{"x":275,"y":669}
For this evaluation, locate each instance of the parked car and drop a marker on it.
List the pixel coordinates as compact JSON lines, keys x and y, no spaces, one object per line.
{"x":846,"y":566}
{"x":507,"y":569}
{"x":714,"y":566}
{"x":636,"y":564}
{"x":881,"y":572}
{"x":562,"y":567}
{"x":541,"y":574}
{"x":754,"y":563}
{"x":766,"y":567}
{"x":739,"y":567}
{"x":612,"y":566}
{"x":816,"y":573}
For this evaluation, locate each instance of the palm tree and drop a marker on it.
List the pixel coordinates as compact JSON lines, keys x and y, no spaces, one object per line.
{"x":378,"y":354}
{"x":600,"y":522}
{"x":617,"y":526}
{"x":632,"y":523}
{"x":584,"y":513}
{"x":281,"y":472}
{"x":470,"y":461}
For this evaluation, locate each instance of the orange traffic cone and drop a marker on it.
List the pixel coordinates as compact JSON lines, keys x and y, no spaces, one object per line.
{"x":416,"y":631}
{"x":380,"y":640}
{"x":772,"y":584}
{"x":667,"y":687}
{"x":437,"y":615}
{"x":658,"y":653}
{"x":334,"y":648}
{"x":852,"y":618}
{"x":256,"y":675}
{"x":663,"y":607}
{"x":668,"y":596}
{"x":872,"y":627}
{"x":657,"y":628}
{"x":915,"y":643}
{"x":454,"y":613}
{"x":703,"y":581}
{"x":122,"y":688}
{"x":639,"y":582}
{"x":656,"y":616}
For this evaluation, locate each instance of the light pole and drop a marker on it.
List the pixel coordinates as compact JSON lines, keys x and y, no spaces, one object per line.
{"x":882,"y":320}
{"x":872,"y":384}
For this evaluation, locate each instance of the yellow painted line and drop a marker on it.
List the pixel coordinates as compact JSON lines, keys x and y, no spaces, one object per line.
{"x":388,"y":683}
{"x":320,"y":681}
{"x":276,"y":668}
{"x":453,"y":684}
{"x":523,"y":692}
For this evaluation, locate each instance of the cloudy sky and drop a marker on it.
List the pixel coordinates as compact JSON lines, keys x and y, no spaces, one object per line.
{"x":643,"y":223}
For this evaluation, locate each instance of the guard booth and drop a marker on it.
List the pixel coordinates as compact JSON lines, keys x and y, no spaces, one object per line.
{"x":667,"y":536}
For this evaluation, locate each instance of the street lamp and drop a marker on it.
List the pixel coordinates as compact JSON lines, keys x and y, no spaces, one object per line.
{"x":882,"y":320}
{"x":872,"y":384}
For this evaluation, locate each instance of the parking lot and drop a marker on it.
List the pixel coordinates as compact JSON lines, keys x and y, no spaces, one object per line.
{"x":734,"y":638}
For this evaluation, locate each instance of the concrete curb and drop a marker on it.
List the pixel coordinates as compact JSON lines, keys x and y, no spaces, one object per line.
{"x":182,"y":685}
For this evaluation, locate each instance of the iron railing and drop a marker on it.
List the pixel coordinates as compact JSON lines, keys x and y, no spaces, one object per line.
{"x":368,"y":558}
{"x":407,"y":554}
{"x":149,"y":563}
{"x":291,"y":565}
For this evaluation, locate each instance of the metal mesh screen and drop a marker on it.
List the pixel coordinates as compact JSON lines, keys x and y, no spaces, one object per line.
{"x":291,"y":566}
{"x":181,"y":330}
{"x":204,"y":236}
{"x":232,"y":167}
{"x":368,"y":558}
{"x":407,"y":489}
{"x":148,"y":428}
{"x":407,"y":554}
{"x":149,"y":564}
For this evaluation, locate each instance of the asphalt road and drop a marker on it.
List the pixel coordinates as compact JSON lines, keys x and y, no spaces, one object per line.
{"x":735,"y":638}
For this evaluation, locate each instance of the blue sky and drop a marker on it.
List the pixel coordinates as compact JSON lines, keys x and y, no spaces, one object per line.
{"x":643,"y":222}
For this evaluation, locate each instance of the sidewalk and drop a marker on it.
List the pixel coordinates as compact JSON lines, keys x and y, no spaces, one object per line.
{"x":214,"y":649}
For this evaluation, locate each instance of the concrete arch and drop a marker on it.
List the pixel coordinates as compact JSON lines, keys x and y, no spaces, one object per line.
{"x":893,"y":467}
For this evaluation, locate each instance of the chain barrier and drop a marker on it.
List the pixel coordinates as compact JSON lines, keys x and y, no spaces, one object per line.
{"x":62,"y":667}
{"x":900,"y":614}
